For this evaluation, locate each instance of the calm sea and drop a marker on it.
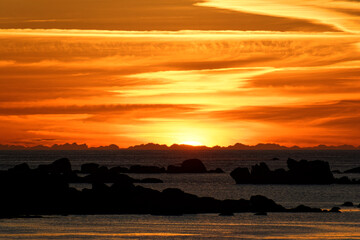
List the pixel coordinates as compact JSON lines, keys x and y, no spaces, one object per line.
{"x":202,"y":226}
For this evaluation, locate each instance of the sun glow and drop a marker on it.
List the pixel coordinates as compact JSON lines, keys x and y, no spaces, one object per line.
{"x":192,"y":143}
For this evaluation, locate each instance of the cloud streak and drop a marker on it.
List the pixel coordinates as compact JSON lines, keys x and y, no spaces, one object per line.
{"x":213,"y":87}
{"x":342,"y":15}
{"x":142,"y":15}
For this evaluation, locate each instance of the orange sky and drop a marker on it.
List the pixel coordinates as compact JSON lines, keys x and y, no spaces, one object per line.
{"x":212,"y":72}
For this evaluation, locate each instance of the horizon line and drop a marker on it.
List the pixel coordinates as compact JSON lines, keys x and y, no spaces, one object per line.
{"x":175,"y":146}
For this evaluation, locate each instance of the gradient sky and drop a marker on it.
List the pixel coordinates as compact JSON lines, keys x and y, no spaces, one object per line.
{"x":214,"y":72}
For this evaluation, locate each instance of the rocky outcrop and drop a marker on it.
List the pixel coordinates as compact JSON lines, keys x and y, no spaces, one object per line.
{"x":89,"y":167}
{"x":187,"y":166}
{"x":260,"y":203}
{"x":94,"y":173}
{"x":303,"y":208}
{"x":299,"y":172}
{"x":347,"y":204}
{"x":191,"y":166}
{"x":241,"y":175}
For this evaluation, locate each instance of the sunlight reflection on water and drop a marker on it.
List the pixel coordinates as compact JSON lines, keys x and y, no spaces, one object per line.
{"x":201,"y":226}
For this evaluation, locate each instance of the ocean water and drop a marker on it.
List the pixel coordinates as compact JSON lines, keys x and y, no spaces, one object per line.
{"x":225,"y":159}
{"x":202,"y":226}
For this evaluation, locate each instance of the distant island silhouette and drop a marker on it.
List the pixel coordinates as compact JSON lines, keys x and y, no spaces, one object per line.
{"x":154,"y":146}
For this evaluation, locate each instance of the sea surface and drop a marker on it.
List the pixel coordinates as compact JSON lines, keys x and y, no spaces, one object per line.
{"x":345,"y":225}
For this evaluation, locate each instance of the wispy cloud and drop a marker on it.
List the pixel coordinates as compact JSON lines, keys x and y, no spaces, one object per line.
{"x":214,"y":87}
{"x":143,"y":15}
{"x":343,"y":15}
{"x":92,"y":109}
{"x":316,"y":123}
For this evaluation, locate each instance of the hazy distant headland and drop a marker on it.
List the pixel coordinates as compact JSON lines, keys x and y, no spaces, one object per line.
{"x":154,"y":146}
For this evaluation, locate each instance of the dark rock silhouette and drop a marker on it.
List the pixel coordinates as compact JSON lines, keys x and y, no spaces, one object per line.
{"x":89,"y":167}
{"x":188,"y":166}
{"x":347,"y":204}
{"x":193,"y":165}
{"x":103,"y":175}
{"x":119,"y":169}
{"x":335,"y":209}
{"x":317,"y":172}
{"x":343,"y":180}
{"x":302,"y":208}
{"x":241,"y":175}
{"x":21,"y":168}
{"x":260,"y":203}
{"x":60,"y":166}
{"x":46,"y":191}
{"x":300,"y":172}
{"x":353,"y":170}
